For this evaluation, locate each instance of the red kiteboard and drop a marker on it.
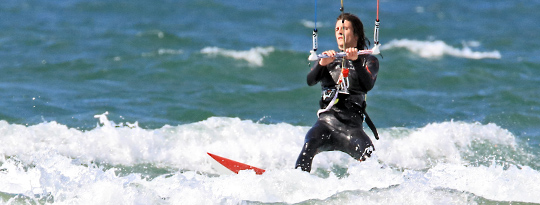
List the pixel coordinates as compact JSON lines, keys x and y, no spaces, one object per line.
{"x":234,"y":165}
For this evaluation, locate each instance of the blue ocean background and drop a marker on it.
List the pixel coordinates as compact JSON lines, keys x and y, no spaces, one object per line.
{"x":117,"y":102}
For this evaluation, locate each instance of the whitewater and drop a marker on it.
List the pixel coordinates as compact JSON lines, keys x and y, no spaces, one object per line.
{"x":447,"y":162}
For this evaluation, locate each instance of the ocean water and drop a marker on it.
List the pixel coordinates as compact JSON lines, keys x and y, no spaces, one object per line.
{"x":118,"y":102}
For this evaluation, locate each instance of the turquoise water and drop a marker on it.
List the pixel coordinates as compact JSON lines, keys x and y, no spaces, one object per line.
{"x":130,"y":95}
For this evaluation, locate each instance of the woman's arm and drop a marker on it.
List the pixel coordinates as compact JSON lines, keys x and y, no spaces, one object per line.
{"x":367,"y":73}
{"x":315,"y":75}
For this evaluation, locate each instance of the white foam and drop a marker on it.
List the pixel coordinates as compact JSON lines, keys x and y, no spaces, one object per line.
{"x":66,"y":181}
{"x":183,"y":146}
{"x":437,"y":142}
{"x":163,"y":51}
{"x":438,"y":48}
{"x":285,"y":185}
{"x":254,"y":56}
{"x":493,"y":182}
{"x":311,"y":24}
{"x":418,"y":165}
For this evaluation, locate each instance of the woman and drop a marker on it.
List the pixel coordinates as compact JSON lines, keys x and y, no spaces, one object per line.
{"x":344,"y":83}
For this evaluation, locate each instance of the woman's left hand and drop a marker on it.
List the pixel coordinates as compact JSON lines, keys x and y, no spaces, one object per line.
{"x":352,"y":53}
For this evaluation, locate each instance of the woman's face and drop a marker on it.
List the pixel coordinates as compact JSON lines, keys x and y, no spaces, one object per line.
{"x":347,"y":30}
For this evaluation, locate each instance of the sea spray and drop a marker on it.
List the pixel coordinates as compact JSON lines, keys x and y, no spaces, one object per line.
{"x":54,"y":163}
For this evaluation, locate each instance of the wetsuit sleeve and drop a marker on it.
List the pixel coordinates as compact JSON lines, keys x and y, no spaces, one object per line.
{"x":315,"y":75}
{"x":367,"y":73}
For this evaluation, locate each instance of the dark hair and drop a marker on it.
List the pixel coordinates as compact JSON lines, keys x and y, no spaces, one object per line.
{"x":358,"y":29}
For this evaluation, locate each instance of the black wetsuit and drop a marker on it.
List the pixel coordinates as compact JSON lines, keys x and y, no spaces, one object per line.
{"x":340,"y":128}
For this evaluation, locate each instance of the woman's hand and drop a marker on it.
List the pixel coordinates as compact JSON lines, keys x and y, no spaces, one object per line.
{"x":352,"y":53}
{"x":326,"y":61}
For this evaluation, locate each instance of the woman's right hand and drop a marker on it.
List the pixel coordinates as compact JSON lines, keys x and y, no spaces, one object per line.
{"x":326,"y":61}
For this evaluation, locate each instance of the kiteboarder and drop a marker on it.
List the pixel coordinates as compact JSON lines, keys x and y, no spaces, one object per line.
{"x":345,"y":82}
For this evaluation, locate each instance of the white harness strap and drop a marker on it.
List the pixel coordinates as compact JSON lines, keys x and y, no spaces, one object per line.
{"x":342,"y":85}
{"x":329,"y":105}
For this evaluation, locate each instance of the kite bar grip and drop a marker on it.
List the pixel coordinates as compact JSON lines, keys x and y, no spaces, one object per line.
{"x":373,"y":51}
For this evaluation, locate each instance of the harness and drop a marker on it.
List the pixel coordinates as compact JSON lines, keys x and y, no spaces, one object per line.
{"x":342,"y":85}
{"x":327,"y":93}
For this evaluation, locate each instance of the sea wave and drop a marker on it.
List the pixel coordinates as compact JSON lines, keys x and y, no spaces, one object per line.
{"x":438,"y":48}
{"x":253,"y":56}
{"x":311,"y":24}
{"x":185,"y":146}
{"x":163,"y":51}
{"x":446,"y":142}
{"x":122,"y":162}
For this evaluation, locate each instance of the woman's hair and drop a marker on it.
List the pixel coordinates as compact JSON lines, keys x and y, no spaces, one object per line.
{"x":358,"y":28}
